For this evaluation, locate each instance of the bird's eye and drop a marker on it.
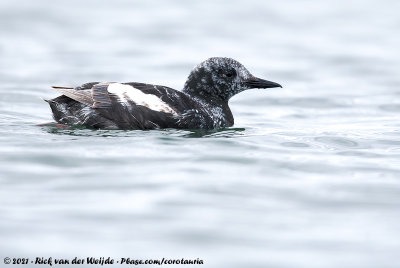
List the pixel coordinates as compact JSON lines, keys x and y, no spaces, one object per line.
{"x":230,"y":73}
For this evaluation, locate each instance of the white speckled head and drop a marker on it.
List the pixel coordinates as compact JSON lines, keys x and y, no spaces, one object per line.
{"x":222,"y":78}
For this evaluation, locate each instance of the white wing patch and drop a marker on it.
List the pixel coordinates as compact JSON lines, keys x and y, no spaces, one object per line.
{"x":127,"y":93}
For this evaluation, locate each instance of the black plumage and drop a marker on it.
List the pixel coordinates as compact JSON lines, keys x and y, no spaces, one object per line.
{"x":203,"y":102}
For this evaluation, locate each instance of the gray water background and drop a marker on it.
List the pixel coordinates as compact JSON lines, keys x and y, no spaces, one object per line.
{"x":309,"y":176}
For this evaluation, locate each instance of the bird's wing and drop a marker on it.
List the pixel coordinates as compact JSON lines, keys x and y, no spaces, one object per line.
{"x":88,"y":85}
{"x":82,"y":96}
{"x":130,"y":105}
{"x":92,"y":94}
{"x":174,"y":98}
{"x":143,"y":106}
{"x":100,"y":96}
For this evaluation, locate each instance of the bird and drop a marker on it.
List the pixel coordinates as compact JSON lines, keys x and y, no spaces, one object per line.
{"x":201,"y":104}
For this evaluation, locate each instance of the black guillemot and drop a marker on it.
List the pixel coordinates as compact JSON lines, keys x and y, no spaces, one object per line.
{"x":203,"y":102}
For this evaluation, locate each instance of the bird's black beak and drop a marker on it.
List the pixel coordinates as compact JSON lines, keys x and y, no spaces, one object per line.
{"x":254,"y":82}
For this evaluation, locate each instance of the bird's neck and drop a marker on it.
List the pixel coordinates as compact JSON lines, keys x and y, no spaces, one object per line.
{"x":210,"y":101}
{"x":206,"y":97}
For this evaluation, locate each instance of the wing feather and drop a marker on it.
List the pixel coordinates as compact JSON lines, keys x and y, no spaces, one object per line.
{"x":100,"y":95}
{"x":82,"y":96}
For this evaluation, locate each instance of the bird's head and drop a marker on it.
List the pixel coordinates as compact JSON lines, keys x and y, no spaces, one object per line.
{"x":222,"y":78}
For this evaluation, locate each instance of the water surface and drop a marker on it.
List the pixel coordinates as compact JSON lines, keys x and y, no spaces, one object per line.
{"x":309,"y":176}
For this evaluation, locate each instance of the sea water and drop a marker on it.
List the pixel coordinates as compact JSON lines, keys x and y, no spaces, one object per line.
{"x":309,"y":175}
